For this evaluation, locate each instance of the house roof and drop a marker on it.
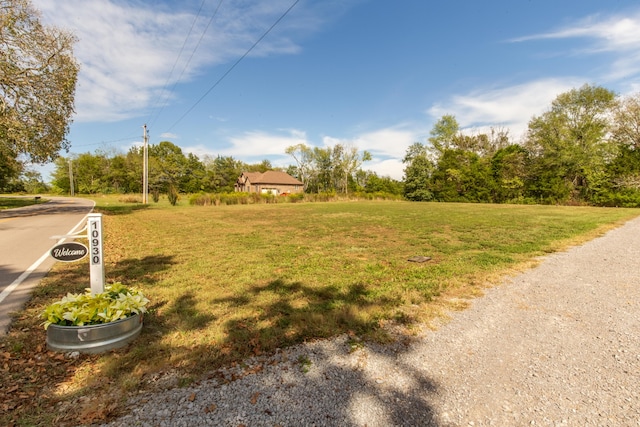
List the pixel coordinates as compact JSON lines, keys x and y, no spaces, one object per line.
{"x":271,"y":177}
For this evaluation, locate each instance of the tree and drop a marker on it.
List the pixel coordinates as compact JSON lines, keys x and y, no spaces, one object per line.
{"x":303,"y":156}
{"x":443,"y":133}
{"x":167,"y":167}
{"x":417,"y":173}
{"x":568,"y":144}
{"x":38,"y":76}
{"x":347,"y":161}
{"x":626,"y":122}
{"x":221,"y":173}
{"x":462,"y":176}
{"x":10,"y":167}
{"x":509,"y":167}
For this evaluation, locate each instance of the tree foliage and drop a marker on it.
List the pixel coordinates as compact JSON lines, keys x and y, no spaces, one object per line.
{"x":569,"y":142}
{"x":585,"y":149}
{"x":38,"y":76}
{"x":327,"y":169}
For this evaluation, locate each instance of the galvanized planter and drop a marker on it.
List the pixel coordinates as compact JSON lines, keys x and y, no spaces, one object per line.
{"x":94,"y":338}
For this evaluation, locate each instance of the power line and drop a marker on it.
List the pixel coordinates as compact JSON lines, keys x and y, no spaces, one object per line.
{"x":234,"y":65}
{"x":128,"y":138}
{"x":166,"y":98}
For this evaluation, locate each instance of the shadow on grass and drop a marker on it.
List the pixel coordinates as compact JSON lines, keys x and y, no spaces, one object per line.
{"x":287,"y":313}
{"x":144,"y":270}
{"x":278,"y":314}
{"x":120,"y":209}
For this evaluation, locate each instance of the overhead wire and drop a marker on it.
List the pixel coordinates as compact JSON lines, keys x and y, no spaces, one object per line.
{"x":286,"y":12}
{"x":155,"y":116}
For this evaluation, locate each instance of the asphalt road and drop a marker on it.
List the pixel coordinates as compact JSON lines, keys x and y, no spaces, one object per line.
{"x":25,"y":242}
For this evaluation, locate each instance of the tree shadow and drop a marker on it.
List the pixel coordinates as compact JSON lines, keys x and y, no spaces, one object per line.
{"x":51,"y":207}
{"x":120,"y":209}
{"x":182,"y":314}
{"x":278,"y":321}
{"x":328,"y":312}
{"x":257,"y":342}
{"x":140,"y":270}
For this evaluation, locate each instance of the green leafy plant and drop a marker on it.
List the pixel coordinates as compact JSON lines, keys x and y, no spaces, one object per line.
{"x":115,"y":303}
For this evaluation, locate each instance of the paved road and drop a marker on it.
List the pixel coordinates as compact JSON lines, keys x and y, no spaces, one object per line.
{"x":25,"y":241}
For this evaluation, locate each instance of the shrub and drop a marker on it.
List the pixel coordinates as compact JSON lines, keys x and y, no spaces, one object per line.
{"x":172,"y":195}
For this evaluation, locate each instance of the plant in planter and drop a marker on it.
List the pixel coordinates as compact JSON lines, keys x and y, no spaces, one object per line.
{"x":95,"y":323}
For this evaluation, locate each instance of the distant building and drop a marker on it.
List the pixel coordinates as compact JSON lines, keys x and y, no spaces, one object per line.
{"x":269,"y":182}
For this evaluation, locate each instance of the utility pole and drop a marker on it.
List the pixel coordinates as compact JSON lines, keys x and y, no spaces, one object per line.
{"x":71,"y":178}
{"x":145,"y":168}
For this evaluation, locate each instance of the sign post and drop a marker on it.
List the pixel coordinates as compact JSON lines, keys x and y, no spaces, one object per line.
{"x":96,"y":260}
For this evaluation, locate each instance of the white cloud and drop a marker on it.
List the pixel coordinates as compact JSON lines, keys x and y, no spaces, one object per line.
{"x":256,"y":145}
{"x":617,"y":34}
{"x":169,"y":136}
{"x":127,"y":51}
{"x":511,"y":107}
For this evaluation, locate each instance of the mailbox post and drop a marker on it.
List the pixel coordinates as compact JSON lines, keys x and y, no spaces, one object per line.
{"x":96,"y":260}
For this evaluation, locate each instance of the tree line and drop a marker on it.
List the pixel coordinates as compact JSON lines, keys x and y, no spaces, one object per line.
{"x":585,"y":149}
{"x":331,"y":169}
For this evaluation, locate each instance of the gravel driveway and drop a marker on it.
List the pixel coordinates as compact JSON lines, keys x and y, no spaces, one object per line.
{"x":557,"y":345}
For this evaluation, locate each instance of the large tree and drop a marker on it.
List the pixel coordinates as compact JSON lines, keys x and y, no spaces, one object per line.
{"x":568,"y":144}
{"x":417,"y":173}
{"x":37,"y":83}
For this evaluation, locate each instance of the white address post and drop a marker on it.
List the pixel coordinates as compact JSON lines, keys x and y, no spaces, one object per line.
{"x":96,"y":262}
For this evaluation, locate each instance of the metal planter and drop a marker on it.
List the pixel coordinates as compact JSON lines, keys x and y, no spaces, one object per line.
{"x":94,"y":338}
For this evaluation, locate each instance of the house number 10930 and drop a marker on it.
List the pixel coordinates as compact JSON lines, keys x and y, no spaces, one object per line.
{"x":96,"y":264}
{"x":96,"y":256}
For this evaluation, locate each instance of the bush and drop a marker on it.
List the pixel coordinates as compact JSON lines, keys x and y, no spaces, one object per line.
{"x":172,"y":196}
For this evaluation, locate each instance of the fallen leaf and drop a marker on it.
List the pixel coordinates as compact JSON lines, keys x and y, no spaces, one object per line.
{"x":254,"y":398}
{"x":192,"y":397}
{"x":210,"y":408}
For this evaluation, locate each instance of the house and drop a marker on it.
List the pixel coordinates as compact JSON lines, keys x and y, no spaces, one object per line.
{"x":269,"y":182}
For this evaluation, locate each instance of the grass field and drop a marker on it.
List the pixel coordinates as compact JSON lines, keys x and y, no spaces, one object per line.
{"x":229,"y":282}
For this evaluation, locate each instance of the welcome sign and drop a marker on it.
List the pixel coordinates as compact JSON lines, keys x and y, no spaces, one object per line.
{"x":69,"y":252}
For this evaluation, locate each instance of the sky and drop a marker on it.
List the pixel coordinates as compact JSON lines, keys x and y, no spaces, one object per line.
{"x":249,"y":78}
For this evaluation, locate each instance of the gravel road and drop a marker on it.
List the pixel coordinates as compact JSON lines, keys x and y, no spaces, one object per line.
{"x":557,"y":345}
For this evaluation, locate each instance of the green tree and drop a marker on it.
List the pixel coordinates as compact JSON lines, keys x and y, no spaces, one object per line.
{"x":568,"y":145}
{"x":321,"y":178}
{"x":221,"y":173}
{"x":509,"y":167}
{"x":167,"y":167}
{"x":60,"y":176}
{"x":626,"y":122}
{"x":417,"y":173}
{"x":372,"y":183}
{"x":347,"y":161}
{"x":303,"y":156}
{"x":444,"y":133}
{"x":38,"y":76}
{"x":90,"y":173}
{"x":462,"y":176}
{"x":10,"y":167}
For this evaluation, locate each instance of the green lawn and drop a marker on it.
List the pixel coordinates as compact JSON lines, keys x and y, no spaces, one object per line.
{"x":228,"y":282}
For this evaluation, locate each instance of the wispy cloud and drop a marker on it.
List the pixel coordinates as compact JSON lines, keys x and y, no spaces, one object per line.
{"x":617,"y":34}
{"x":127,"y":51}
{"x":510,"y":106}
{"x":251,"y":146}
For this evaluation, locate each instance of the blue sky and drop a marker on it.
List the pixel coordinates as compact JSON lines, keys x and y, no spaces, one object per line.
{"x":374,"y":74}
